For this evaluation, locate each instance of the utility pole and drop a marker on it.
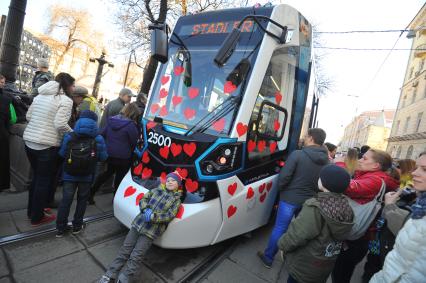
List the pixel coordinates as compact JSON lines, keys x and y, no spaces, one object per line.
{"x":128,"y":67}
{"x":101,"y":62}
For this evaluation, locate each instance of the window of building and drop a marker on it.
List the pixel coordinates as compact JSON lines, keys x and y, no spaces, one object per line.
{"x":413,"y":98}
{"x":407,"y":121}
{"x":398,"y":152}
{"x":419,"y":121}
{"x":409,"y":152}
{"x":411,"y":72}
{"x":397,"y":127}
{"x":403,"y":101}
{"x":421,"y":65}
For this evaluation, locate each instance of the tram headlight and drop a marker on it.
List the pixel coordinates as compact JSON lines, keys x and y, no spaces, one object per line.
{"x":223,"y":159}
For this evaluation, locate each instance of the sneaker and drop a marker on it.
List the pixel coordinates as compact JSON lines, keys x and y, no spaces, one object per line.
{"x":105,"y":279}
{"x":47,"y":210}
{"x":265,"y":262}
{"x":77,"y":230}
{"x":44,"y":220}
{"x":60,"y":233}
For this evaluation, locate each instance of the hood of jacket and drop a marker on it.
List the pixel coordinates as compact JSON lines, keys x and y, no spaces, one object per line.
{"x":118,"y":122}
{"x":86,"y":127}
{"x":318,"y":154}
{"x":336,"y":211}
{"x":49,"y":88}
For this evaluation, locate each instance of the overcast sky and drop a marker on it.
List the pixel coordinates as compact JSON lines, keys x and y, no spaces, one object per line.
{"x":355,"y":73}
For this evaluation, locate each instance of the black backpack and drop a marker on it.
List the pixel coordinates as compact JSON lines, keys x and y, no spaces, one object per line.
{"x":81,"y":156}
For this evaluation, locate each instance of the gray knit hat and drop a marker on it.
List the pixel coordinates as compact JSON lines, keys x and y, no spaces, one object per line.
{"x":126,"y":91}
{"x":80,"y":91}
{"x":43,"y":63}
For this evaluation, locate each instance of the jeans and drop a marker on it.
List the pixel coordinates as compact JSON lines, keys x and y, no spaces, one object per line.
{"x":130,"y":256}
{"x":116,"y":166}
{"x":83,"y":193}
{"x":42,"y":163}
{"x":285,"y":214}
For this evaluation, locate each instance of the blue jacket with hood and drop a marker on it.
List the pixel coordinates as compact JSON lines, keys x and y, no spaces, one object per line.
{"x":84,"y":127}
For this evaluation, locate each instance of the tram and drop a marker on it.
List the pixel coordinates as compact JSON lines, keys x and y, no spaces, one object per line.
{"x":225,"y":109}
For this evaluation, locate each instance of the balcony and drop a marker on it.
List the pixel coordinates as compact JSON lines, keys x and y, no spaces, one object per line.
{"x":420,"y":51}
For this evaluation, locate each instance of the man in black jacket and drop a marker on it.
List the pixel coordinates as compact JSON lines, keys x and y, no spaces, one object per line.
{"x":297,"y":182}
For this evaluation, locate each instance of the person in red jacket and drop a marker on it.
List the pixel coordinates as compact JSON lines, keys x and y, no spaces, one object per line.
{"x":374,"y":166}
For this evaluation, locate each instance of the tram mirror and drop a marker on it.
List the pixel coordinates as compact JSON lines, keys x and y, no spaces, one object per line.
{"x":187,"y":73}
{"x":159,"y":44}
{"x":271,"y":121}
{"x":240,"y":72}
{"x":227,"y":48}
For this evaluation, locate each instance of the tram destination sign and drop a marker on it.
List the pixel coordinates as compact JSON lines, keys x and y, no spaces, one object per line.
{"x":216,"y":27}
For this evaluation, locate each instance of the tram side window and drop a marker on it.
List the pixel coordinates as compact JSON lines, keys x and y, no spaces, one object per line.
{"x":268,"y":129}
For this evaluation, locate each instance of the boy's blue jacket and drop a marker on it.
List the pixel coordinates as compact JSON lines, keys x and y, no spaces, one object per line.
{"x":84,"y":127}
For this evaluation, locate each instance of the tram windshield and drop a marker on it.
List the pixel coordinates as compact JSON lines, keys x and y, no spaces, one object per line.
{"x":193,"y":93}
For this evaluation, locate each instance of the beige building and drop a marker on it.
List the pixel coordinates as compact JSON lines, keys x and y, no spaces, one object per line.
{"x":408,"y":135}
{"x":370,"y":128}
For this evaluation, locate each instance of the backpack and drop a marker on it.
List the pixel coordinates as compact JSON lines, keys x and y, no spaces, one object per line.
{"x":81,"y":156}
{"x":364,"y":214}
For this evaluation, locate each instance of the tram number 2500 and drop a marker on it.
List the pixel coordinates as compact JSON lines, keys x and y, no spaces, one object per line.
{"x":158,"y":139}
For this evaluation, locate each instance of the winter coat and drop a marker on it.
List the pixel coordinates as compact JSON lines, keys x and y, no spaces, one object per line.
{"x":113,"y":108}
{"x":121,"y":135}
{"x":314,"y":238}
{"x":366,"y":185}
{"x":298,"y":179}
{"x":40,"y":78}
{"x":88,"y":128}
{"x":407,"y":261}
{"x":48,"y":116}
{"x":164,"y":204}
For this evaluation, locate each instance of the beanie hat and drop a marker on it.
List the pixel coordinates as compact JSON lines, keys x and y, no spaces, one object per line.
{"x":334,"y":178}
{"x":89,"y":114}
{"x":42,"y":63}
{"x":175,"y":175}
{"x":80,"y":91}
{"x":126,"y":91}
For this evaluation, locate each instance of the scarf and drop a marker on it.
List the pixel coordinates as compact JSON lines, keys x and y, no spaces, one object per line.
{"x":419,"y":208}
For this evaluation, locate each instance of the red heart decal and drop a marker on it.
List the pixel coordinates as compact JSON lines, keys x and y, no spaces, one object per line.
{"x":278,"y":97}
{"x":193,"y":92}
{"x":154,"y":108}
{"x":219,"y":125}
{"x":139,"y":197}
{"x":164,"y":152}
{"x":145,"y":157}
{"x":277,"y":125}
{"x":138,"y":169}
{"x":250,"y":193}
{"x":163,"y":111}
{"x":176,"y":149}
{"x":182,"y":172}
{"x":262,"y":188}
{"x":189,"y":113}
{"x":180,"y":212}
{"x":164,"y":79}
{"x":261,"y":146}
{"x":163,"y":93}
{"x":151,"y":124}
{"x":178,"y":70}
{"x":190,"y":148}
{"x":232,"y":188}
{"x":146,"y":173}
{"x":231,"y":210}
{"x":262,"y":197}
{"x":163,"y":177}
{"x":272,"y":147}
{"x":229,"y":87}
{"x":191,"y":186}
{"x":129,"y":191}
{"x":176,"y":100}
{"x":268,"y":186}
{"x":241,"y":129}
{"x":251,"y":145}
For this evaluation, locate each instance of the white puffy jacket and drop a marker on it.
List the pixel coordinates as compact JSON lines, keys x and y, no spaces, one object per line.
{"x":48,"y":116}
{"x":406,"y":263}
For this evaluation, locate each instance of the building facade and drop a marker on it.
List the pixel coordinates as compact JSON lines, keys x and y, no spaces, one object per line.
{"x":408,"y":135}
{"x":370,"y":128}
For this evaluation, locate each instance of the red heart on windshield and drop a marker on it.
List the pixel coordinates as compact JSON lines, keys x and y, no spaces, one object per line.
{"x":272,"y":147}
{"x":163,"y":93}
{"x":178,"y":70}
{"x":180,"y":212}
{"x":229,"y":87}
{"x":154,"y":108}
{"x":164,"y":152}
{"x":191,"y":186}
{"x":129,"y":191}
{"x":150,"y":124}
{"x":145,"y":157}
{"x":193,"y":92}
{"x":231,"y":210}
{"x":250,"y":193}
{"x":176,"y":100}
{"x":251,"y":145}
{"x":219,"y":125}
{"x":262,"y":188}
{"x":269,"y":186}
{"x":163,"y":111}
{"x":163,"y":177}
{"x":190,"y":148}
{"x":182,"y":172}
{"x":262,"y":197}
{"x":138,"y":169}
{"x":176,"y":149}
{"x":139,"y":197}
{"x":278,"y":97}
{"x":189,"y":113}
{"x":232,"y":188}
{"x":277,"y":125}
{"x":146,"y":173}
{"x":261,"y":146}
{"x":164,"y":79}
{"x":241,"y":129}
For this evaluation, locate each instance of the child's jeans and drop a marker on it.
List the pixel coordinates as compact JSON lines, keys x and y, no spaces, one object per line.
{"x":129,"y":258}
{"x":285,"y":214}
{"x":68,"y":191}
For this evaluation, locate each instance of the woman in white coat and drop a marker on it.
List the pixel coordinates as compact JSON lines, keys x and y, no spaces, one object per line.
{"x":47,"y":118}
{"x":407,"y":261}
